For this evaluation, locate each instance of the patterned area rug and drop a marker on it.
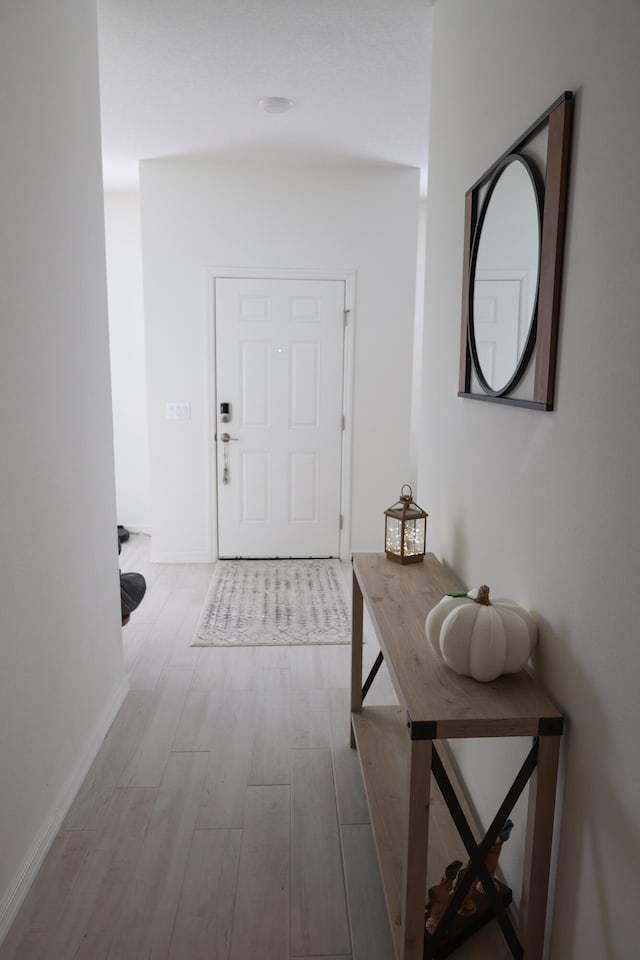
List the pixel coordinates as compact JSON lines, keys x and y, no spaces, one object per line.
{"x":272,"y":602}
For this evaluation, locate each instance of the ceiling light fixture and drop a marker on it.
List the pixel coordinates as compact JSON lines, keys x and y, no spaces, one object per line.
{"x":276,"y":104}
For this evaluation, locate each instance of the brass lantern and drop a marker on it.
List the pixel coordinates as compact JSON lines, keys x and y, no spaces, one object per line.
{"x":405,"y":534}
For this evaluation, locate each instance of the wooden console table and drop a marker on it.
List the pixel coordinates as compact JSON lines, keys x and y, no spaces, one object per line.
{"x":398,"y":756}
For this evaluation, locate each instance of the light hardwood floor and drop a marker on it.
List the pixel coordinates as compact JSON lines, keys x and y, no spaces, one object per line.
{"x":224,"y":816}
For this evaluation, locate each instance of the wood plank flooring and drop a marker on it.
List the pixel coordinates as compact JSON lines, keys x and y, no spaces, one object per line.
{"x":224,"y":816}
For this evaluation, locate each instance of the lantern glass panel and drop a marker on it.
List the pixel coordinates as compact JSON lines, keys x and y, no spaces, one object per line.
{"x":393,"y":535}
{"x":414,"y":537}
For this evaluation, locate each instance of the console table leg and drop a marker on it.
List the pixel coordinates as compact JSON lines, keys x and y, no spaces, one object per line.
{"x":542,"y":795}
{"x":416,"y":843}
{"x":356,"y":651}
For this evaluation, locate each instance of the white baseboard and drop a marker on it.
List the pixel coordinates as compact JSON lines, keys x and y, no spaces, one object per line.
{"x":199,"y":557}
{"x":25,"y":876}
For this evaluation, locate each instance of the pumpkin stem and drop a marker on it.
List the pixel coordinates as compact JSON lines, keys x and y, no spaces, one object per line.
{"x":483,"y":596}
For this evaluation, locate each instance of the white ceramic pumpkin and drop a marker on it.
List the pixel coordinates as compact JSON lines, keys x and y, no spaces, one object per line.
{"x":481,"y":638}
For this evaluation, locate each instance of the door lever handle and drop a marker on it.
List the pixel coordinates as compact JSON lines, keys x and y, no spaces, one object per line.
{"x":225,"y":438}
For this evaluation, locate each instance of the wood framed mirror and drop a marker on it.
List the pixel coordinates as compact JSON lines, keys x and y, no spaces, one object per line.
{"x":513,"y":249}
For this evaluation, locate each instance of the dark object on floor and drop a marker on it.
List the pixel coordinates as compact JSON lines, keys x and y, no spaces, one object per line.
{"x":461,"y":928}
{"x":133,"y":587}
{"x":123,"y":534}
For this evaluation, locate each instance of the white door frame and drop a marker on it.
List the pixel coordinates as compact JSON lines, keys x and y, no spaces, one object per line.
{"x":263,"y":273}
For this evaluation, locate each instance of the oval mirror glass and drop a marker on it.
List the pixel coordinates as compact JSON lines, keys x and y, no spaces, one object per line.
{"x":504,"y":277}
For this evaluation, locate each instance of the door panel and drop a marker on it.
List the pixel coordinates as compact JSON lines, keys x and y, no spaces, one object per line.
{"x":279,"y":364}
{"x":304,"y":487}
{"x":255,"y":378}
{"x":496,"y":302}
{"x":255,"y":487}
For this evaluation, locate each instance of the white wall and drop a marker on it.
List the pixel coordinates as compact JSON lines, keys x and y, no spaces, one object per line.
{"x":61,"y":666}
{"x":197,"y":214}
{"x":544,"y":506}
{"x":128,"y":360}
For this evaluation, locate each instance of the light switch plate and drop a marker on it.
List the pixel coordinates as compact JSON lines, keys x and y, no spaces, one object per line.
{"x":177,"y":411}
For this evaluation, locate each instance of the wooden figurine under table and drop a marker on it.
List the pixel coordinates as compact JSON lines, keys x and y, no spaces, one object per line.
{"x":491,"y":860}
{"x":468,"y":906}
{"x":438,"y":897}
{"x":475,"y":909}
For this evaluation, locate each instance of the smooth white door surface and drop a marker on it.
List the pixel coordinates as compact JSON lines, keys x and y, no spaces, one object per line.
{"x":279,"y":366}
{"x":498,"y":329}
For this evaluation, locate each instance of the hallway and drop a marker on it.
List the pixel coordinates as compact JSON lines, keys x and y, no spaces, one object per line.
{"x":224,"y":816}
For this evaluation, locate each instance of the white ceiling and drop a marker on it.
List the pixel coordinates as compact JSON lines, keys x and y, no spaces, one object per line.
{"x":183,"y":78}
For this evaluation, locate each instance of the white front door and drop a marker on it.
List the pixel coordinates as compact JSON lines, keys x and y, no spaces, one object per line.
{"x":498,"y":328}
{"x":279,"y":368}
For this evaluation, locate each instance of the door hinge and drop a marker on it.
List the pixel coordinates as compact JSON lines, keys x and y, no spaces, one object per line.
{"x":344,"y":421}
{"x":341,"y":522}
{"x":346,"y":316}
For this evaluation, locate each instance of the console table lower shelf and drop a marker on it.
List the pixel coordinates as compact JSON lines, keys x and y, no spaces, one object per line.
{"x":383,"y":747}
